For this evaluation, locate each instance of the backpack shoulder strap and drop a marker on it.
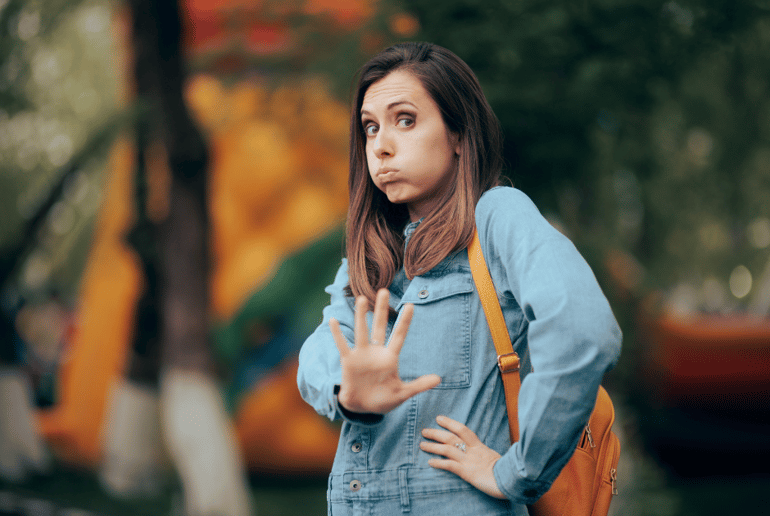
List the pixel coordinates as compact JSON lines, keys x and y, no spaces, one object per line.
{"x":507,"y":359}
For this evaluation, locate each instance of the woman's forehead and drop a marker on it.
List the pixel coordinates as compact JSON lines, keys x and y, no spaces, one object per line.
{"x":395,"y":88}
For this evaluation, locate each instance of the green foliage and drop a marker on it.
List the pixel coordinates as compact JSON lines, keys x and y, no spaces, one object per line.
{"x":56,"y":98}
{"x":643,"y":124}
{"x":553,"y":70}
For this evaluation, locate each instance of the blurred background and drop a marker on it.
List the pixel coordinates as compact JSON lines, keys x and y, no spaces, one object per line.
{"x":183,"y":165}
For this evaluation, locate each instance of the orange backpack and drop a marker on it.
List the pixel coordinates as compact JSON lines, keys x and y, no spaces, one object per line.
{"x":586,"y":484}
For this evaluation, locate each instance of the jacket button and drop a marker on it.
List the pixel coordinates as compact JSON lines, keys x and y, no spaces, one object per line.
{"x":355,"y":485}
{"x":422,"y":294}
{"x":356,"y":447}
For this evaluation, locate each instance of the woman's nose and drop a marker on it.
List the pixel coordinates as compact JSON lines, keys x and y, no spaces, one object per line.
{"x":383,"y":144}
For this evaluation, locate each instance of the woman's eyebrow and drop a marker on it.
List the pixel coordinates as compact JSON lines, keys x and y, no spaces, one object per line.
{"x":391,"y":106}
{"x":399,"y":102}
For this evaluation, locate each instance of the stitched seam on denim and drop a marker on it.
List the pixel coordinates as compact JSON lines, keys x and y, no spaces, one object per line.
{"x":411,"y":428}
{"x":440,"y":490}
{"x":466,"y":362}
{"x":404,"y":489}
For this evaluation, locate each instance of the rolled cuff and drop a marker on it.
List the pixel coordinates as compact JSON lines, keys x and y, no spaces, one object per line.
{"x":356,"y":418}
{"x":515,"y":487}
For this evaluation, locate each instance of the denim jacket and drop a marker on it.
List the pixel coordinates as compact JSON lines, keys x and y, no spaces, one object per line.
{"x":560,"y":324}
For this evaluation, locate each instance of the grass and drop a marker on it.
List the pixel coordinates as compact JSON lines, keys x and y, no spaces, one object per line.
{"x":78,"y":492}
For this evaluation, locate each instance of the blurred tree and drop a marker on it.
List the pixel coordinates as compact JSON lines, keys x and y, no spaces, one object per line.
{"x":172,"y":339}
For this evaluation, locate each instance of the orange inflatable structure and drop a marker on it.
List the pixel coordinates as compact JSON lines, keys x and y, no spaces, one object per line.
{"x":277,"y":182}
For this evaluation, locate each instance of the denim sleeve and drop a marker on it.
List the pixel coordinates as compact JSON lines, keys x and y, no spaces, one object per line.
{"x":319,"y":374}
{"x":572,"y":336}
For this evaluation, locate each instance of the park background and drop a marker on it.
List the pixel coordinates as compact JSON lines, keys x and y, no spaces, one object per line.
{"x":640,"y":128}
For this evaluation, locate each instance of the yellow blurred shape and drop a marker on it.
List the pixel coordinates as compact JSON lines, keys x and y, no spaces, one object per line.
{"x":257,"y":160}
{"x":246,"y":100}
{"x":252,"y":263}
{"x":205,"y":97}
{"x":307,"y":213}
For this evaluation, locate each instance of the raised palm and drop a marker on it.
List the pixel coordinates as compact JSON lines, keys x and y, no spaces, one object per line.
{"x":370,"y":380}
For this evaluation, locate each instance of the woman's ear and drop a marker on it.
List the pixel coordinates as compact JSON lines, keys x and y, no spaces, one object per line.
{"x":458,"y":146}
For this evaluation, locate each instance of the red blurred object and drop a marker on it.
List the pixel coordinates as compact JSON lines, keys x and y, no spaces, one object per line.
{"x":260,"y":27}
{"x":710,"y":360}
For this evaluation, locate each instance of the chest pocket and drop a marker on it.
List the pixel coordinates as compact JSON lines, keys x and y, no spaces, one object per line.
{"x":439,"y":337}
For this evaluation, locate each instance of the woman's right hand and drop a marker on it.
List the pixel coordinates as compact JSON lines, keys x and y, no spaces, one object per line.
{"x":370,"y":380}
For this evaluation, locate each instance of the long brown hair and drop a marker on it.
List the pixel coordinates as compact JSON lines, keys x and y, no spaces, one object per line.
{"x":375,"y":244}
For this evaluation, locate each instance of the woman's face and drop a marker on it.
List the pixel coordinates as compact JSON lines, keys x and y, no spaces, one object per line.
{"x":410,"y":153}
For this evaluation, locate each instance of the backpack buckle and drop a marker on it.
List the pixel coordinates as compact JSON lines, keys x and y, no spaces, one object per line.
{"x":508,"y":362}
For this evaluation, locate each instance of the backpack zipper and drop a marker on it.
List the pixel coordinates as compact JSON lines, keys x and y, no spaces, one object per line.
{"x":613,"y":480}
{"x":590,"y":437}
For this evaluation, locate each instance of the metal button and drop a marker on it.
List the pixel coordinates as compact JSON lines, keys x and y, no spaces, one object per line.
{"x":355,"y":485}
{"x":422,"y":294}
{"x":356,"y":447}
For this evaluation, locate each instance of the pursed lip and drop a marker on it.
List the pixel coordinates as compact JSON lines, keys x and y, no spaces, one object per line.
{"x":386,"y":174}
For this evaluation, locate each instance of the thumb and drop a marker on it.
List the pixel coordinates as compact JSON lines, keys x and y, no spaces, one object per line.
{"x":421,"y":384}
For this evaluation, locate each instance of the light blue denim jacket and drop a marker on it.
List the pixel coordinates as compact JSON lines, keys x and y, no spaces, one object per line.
{"x":561,"y":325}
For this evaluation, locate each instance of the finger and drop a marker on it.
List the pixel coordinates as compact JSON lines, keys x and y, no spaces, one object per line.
{"x":439,"y":435}
{"x":399,"y":332}
{"x":459,"y":429}
{"x":380,"y":319}
{"x":339,"y":339}
{"x":361,"y":331}
{"x":421,"y":384}
{"x":445,"y":450}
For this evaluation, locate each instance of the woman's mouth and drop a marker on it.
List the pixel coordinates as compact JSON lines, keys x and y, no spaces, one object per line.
{"x":386,"y":175}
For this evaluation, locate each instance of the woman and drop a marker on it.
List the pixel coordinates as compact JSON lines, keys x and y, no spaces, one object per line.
{"x":416,"y":382}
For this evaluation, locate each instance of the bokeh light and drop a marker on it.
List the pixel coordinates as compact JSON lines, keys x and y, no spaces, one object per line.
{"x":740,"y":281}
{"x":759,"y":233}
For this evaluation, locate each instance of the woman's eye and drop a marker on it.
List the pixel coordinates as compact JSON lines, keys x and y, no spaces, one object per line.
{"x":405,"y":122}
{"x":370,"y":129}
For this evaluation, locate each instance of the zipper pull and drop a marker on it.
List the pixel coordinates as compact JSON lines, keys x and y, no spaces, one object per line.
{"x":590,"y":437}
{"x":613,"y":480}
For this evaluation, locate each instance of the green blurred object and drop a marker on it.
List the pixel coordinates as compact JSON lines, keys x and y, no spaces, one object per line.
{"x":57,"y":116}
{"x":275,"y":320}
{"x":295,"y":294}
{"x":642,"y":130}
{"x":638,"y":126}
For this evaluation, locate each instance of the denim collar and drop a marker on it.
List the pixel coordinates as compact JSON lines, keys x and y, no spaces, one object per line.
{"x":409,"y":230}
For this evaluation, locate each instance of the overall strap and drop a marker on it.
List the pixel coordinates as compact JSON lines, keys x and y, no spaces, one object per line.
{"x":507,"y":359}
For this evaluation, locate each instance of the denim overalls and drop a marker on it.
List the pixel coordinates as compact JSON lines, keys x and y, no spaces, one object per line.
{"x":561,"y":326}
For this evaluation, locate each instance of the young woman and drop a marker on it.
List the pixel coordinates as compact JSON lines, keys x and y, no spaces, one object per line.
{"x":415,"y":380}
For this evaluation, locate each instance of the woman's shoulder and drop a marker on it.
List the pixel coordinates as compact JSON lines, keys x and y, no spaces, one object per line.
{"x":507,"y":218}
{"x":505,"y":203}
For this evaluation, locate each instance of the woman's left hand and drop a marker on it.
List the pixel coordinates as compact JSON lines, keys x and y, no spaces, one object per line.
{"x":472,"y":462}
